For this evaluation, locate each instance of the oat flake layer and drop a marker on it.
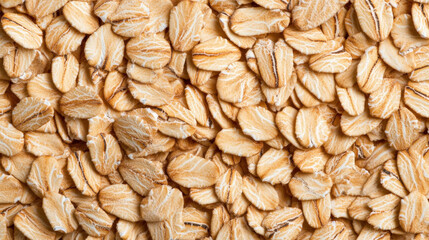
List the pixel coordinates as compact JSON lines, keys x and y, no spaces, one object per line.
{"x":214,"y":119}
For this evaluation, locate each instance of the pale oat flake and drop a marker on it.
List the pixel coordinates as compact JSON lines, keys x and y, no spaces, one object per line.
{"x":261,"y":195}
{"x":149,"y":50}
{"x":215,"y":54}
{"x":253,"y":21}
{"x":120,"y":200}
{"x":307,"y":14}
{"x":375,"y":18}
{"x":61,"y":38}
{"x":22,"y":30}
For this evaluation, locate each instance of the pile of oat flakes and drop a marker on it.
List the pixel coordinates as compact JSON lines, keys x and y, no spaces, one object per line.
{"x":214,"y":119}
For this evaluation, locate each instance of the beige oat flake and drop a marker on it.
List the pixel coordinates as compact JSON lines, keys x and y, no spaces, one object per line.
{"x":149,"y":50}
{"x":404,"y":35}
{"x":402,"y":129}
{"x":310,"y":186}
{"x":186,"y":23}
{"x":32,"y":113}
{"x":81,"y":102}
{"x":79,"y":14}
{"x":317,"y":212}
{"x":307,"y":14}
{"x":258,"y":123}
{"x":105,"y":152}
{"x":161,"y":203}
{"x":61,"y":38}
{"x":83,"y":173}
{"x":120,"y":200}
{"x":22,"y":30}
{"x":60,"y":212}
{"x":94,"y":220}
{"x":310,"y":160}
{"x":253,"y":21}
{"x":261,"y":195}
{"x":11,"y":139}
{"x":311,"y":127}
{"x":284,"y":223}
{"x":234,"y":142}
{"x":375,"y":18}
{"x":274,"y":62}
{"x":12,"y":189}
{"x":275,"y":167}
{"x":65,"y":70}
{"x":32,"y":222}
{"x":215,"y":54}
{"x":111,"y":52}
{"x":413,"y":216}
{"x":41,"y":8}
{"x":192,"y":171}
{"x":130,"y":17}
{"x":420,"y":20}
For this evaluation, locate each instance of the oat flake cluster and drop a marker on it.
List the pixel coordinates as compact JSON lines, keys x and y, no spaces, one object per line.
{"x":214,"y":119}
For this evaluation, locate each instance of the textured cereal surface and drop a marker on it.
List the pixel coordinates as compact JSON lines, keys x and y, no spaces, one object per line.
{"x":214,"y":119}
